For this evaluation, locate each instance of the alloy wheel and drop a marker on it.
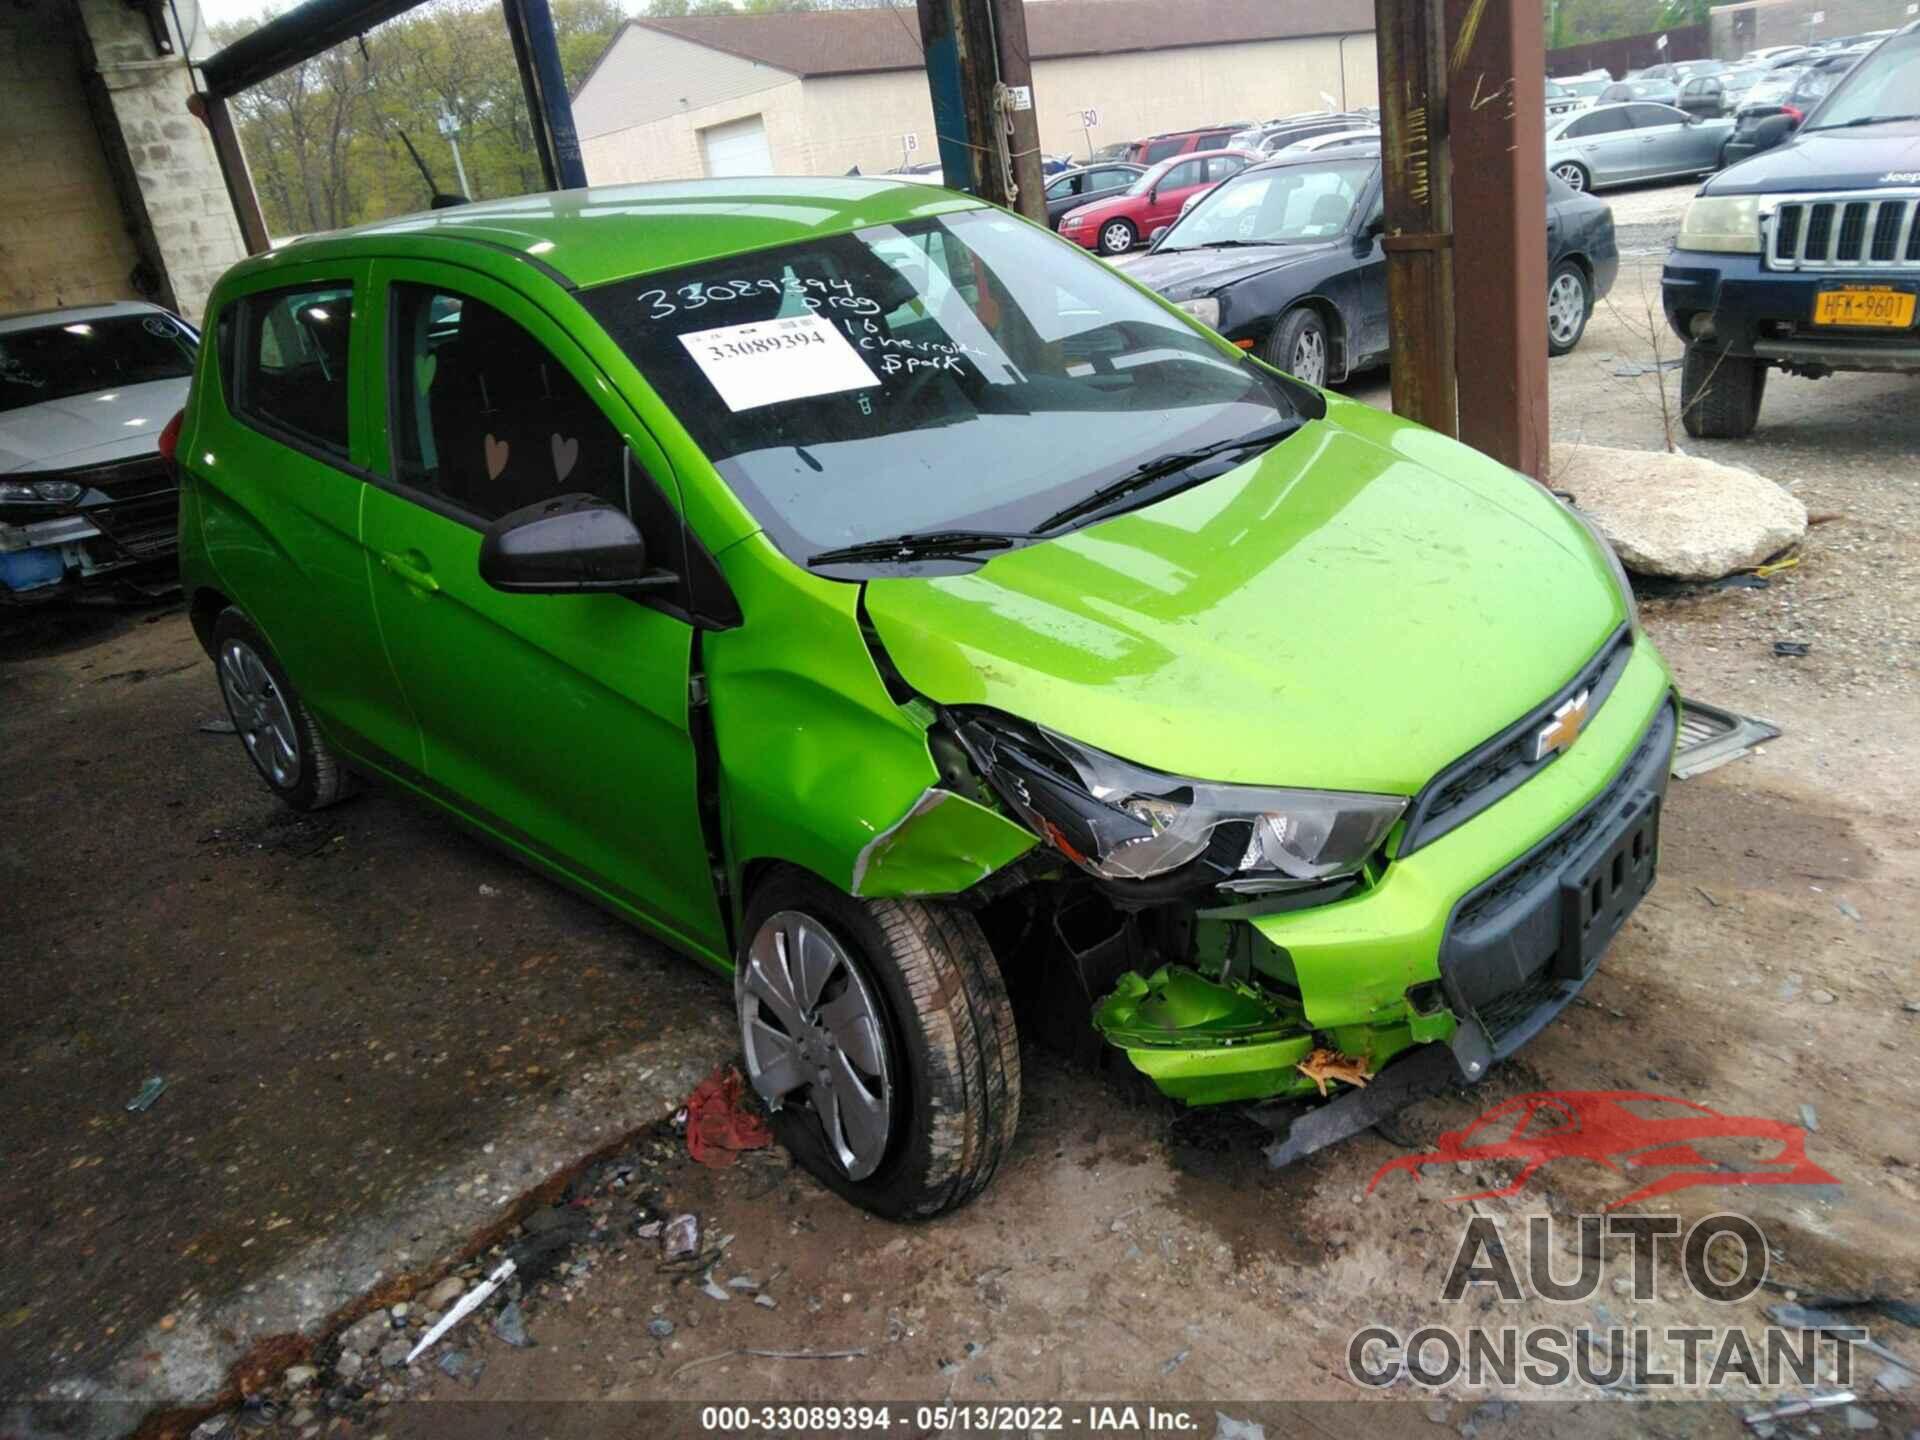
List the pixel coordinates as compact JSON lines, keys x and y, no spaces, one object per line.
{"x":260,"y":713}
{"x":1574,"y":176}
{"x":1118,"y":238}
{"x":1566,"y":308}
{"x":811,"y":1030}
{"x":1309,"y":359}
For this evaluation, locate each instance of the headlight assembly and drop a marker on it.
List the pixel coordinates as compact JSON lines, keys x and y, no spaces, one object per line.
{"x":1206,"y":310}
{"x":1120,"y":821}
{"x":39,"y":492}
{"x":1725,"y":223}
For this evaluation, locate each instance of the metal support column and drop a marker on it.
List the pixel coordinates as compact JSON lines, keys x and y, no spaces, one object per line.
{"x":212,"y":110}
{"x":980,"y":73}
{"x":1419,"y":212}
{"x":530,"y":24}
{"x":1496,"y":113}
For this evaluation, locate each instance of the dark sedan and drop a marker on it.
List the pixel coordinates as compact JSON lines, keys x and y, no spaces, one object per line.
{"x":1088,"y":183}
{"x":1755,"y":127}
{"x":1285,"y":260}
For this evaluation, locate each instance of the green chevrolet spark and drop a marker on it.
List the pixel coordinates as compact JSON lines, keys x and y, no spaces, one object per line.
{"x":883,"y":602}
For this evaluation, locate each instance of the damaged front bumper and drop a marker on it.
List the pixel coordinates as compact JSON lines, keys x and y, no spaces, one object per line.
{"x":1475,"y":941}
{"x":122,"y":529}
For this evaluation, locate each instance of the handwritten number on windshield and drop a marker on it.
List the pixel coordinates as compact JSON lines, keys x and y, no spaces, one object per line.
{"x":814,"y":294}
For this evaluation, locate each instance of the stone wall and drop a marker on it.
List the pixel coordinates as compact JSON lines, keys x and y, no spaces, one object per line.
{"x":1755,"y":23}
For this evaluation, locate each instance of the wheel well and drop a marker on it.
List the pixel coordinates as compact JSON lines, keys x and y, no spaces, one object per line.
{"x":205,"y":609}
{"x":1329,"y":313}
{"x":1585,"y":265}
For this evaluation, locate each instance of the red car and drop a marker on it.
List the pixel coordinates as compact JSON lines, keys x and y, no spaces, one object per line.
{"x":1113,"y":227}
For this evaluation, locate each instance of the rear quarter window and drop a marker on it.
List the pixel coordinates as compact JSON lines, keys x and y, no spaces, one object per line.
{"x":289,"y":362}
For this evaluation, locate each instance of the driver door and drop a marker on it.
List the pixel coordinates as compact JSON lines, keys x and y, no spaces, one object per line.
{"x":558,"y":723}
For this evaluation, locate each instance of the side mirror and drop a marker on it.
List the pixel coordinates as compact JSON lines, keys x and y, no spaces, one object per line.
{"x":1771,"y":131}
{"x":564,"y":546}
{"x":1158,"y":231}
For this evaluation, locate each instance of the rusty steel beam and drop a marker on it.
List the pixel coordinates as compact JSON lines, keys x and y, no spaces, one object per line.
{"x":1496,"y":117}
{"x":1418,"y":237}
{"x":212,"y":111}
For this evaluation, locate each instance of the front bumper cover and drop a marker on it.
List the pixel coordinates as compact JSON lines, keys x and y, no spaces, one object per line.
{"x":1768,"y":314}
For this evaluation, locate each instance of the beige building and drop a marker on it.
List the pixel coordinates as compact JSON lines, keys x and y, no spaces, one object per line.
{"x":817,"y":93}
{"x":110,"y":189}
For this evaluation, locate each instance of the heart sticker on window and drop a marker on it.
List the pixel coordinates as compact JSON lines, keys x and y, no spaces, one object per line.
{"x":566,"y":454}
{"x":496,"y":457}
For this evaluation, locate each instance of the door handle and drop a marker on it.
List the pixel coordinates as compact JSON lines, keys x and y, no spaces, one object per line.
{"x":408,"y":573}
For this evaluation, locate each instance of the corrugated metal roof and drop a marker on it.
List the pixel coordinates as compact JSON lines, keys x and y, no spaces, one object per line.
{"x":846,"y":42}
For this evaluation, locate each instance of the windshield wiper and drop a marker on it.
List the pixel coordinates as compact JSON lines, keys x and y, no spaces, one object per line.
{"x":919,"y":545}
{"x":1864,"y":120}
{"x":1162,"y":466}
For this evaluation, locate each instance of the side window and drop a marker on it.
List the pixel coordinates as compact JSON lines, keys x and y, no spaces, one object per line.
{"x":1187,"y":172}
{"x":1221,"y":166}
{"x":1603,"y":123}
{"x":1652,"y":117}
{"x":1113,"y":179}
{"x":1161,"y":149}
{"x":485,"y":418}
{"x":290,"y":369}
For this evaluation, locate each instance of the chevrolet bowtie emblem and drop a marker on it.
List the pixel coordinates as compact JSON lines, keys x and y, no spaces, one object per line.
{"x":1560,"y":732}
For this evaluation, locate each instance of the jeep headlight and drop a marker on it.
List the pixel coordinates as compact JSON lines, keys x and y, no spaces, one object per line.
{"x":1121,"y":821}
{"x":1206,"y":310}
{"x":1728,"y":223}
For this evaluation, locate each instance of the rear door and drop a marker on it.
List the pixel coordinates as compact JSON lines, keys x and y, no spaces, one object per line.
{"x":281,"y":473}
{"x":561,"y":723}
{"x":1606,"y":143}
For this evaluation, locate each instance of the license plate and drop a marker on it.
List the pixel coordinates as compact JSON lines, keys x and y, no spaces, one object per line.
{"x":1873,"y":305}
{"x":1596,"y":899}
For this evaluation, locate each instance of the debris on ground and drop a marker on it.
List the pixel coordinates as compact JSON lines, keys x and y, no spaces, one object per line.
{"x":681,"y":1239}
{"x":469,"y":1302}
{"x":1792,"y":648}
{"x":1762,"y":1421}
{"x":1324,"y":1065}
{"x":147,"y":1094}
{"x":719,"y":1127}
{"x":511,"y":1326}
{"x":218,"y":727}
{"x":659,"y":1327}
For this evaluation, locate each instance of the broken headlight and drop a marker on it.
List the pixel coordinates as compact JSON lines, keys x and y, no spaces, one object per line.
{"x":1121,"y":821}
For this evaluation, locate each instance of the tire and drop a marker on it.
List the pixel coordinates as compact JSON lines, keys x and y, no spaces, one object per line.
{"x":275,"y":727}
{"x":1720,"y":393}
{"x":942,"y":1072}
{"x":1574,"y":174}
{"x":1117,"y":237}
{"x":1301,"y":336}
{"x":1569,"y":305}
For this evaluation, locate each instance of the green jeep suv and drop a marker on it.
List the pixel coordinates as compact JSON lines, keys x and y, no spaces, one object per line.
{"x":883,"y":602}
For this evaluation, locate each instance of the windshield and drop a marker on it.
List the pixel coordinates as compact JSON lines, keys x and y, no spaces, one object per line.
{"x":967,"y":371}
{"x":1288,"y":205}
{"x":56,"y":362}
{"x":1586,"y":87}
{"x":1772,"y":87}
{"x":1883,"y":86}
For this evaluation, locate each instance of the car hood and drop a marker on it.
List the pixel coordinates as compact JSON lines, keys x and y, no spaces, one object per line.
{"x":1863,"y":159}
{"x":1350,"y":611}
{"x":94,"y":429}
{"x":1181,"y":274}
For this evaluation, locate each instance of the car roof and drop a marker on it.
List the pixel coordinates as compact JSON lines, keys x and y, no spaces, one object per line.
{"x":75,"y":314}
{"x":1287,"y":160}
{"x":610,"y":232}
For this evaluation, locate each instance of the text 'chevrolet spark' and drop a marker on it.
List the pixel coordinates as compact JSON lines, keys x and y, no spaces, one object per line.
{"x":925,"y":624}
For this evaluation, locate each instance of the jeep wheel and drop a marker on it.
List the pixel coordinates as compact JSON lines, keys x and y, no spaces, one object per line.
{"x":275,"y":727}
{"x":879,"y":1034}
{"x":1720,"y":393}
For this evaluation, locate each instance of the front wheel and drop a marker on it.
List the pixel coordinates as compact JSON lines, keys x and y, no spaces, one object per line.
{"x":1299,"y":346}
{"x":880,"y":1036}
{"x":1567,"y":307}
{"x":1117,"y":237}
{"x":1573,"y":174}
{"x":1720,"y":393}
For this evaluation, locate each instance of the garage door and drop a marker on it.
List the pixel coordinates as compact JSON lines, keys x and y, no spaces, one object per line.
{"x":737,"y":148}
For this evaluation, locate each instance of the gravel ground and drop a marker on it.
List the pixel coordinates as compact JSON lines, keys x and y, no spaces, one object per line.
{"x":357,"y":1013}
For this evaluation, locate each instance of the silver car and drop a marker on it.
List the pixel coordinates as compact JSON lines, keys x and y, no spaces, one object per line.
{"x":1621,"y":144}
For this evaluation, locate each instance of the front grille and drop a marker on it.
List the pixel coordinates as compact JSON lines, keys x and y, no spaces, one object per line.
{"x":1495,"y":769}
{"x":1873,"y":229}
{"x":142,"y":527}
{"x":1505,"y":1015}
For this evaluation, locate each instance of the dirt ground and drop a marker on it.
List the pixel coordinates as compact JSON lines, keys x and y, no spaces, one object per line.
{"x":358,"y":1010}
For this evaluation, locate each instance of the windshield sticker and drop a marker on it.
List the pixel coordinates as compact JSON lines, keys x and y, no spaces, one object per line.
{"x":769,"y":361}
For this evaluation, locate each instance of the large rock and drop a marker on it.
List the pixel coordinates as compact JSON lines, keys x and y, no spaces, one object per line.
{"x":1679,"y":515}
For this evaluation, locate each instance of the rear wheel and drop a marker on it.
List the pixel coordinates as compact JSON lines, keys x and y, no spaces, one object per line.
{"x":1299,"y":345}
{"x":880,"y":1036}
{"x":1573,"y":174}
{"x":1117,"y":237}
{"x":275,"y":727}
{"x":1720,"y":393}
{"x":1568,"y":307}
